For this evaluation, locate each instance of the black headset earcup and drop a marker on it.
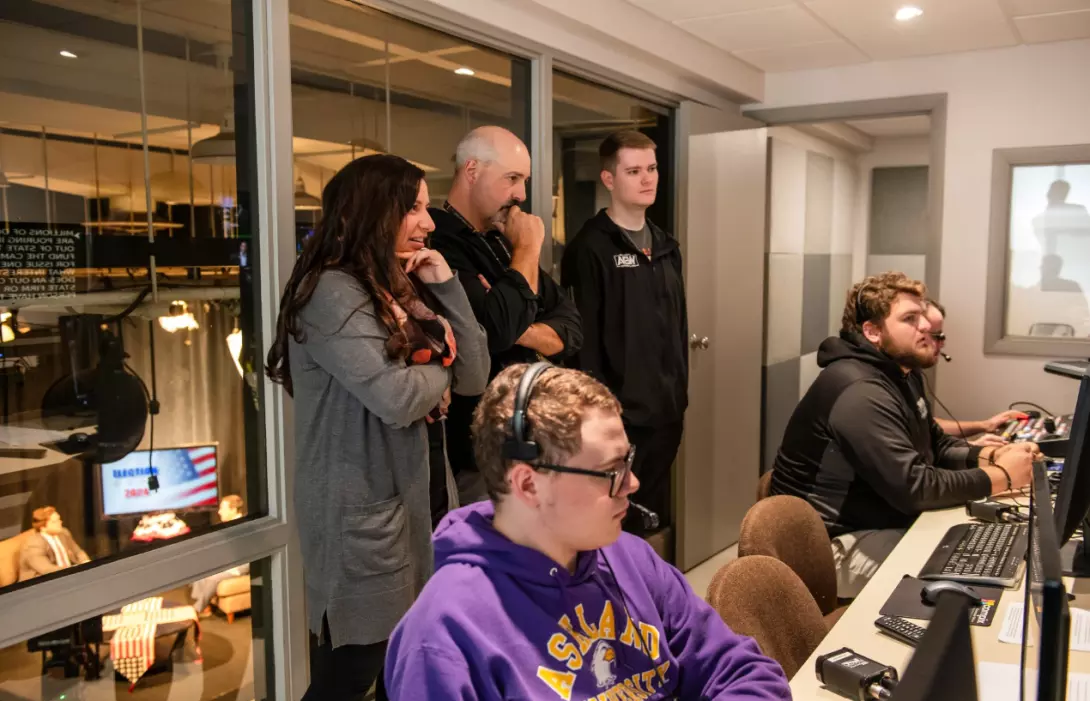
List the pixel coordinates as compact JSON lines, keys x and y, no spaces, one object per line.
{"x":520,"y":451}
{"x":518,"y":445}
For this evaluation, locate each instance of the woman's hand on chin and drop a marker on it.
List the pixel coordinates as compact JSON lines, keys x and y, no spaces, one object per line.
{"x":429,"y":265}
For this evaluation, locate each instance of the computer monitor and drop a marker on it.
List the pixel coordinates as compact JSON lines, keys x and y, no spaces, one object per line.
{"x":188,"y":480}
{"x":1046,"y":619}
{"x":943,"y":666}
{"x":1073,"y":493}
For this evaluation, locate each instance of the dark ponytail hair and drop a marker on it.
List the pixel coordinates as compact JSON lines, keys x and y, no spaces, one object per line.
{"x":362,"y":209}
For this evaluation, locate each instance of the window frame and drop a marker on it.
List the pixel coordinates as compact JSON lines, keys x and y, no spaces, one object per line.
{"x":996,"y":339}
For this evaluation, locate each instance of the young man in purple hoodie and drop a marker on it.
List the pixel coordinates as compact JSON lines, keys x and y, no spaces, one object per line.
{"x":538,"y":594}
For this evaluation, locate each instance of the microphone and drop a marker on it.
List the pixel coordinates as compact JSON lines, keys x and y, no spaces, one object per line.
{"x":650,"y":518}
{"x":994,"y":512}
{"x":946,"y":357}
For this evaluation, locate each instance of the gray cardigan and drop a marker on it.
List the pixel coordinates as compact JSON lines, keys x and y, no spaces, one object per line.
{"x":361,"y":447}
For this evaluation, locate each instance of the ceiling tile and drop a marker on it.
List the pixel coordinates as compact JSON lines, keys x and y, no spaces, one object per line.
{"x":1057,"y":27}
{"x":945,"y":26}
{"x":825,"y":54}
{"x":1023,"y":8}
{"x":760,"y":29}
{"x":674,"y":10}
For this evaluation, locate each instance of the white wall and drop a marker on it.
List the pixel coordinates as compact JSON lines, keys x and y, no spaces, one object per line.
{"x":887,"y":152}
{"x":1025,"y":96}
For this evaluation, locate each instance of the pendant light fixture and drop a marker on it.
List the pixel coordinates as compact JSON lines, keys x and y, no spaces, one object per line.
{"x":219,"y":149}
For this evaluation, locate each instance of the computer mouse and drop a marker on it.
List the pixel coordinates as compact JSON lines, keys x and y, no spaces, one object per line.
{"x":930,"y":592}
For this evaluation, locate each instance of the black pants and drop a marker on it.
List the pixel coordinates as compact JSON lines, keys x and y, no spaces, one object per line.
{"x":437,"y":473}
{"x":344,"y":673}
{"x":656,"y":449}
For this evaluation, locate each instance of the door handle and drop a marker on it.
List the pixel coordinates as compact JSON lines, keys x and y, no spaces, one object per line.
{"x":698,"y":342}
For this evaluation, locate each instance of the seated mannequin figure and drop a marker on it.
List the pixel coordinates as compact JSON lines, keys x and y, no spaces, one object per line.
{"x":50,"y":548}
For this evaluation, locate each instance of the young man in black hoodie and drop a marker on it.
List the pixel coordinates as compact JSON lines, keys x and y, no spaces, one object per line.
{"x":625,"y":274}
{"x":494,"y":248}
{"x":862,"y":447}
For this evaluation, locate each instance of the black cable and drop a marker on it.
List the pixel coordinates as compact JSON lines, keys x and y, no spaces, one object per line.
{"x":1035,"y":406}
{"x":129,"y":309}
{"x":153,"y":409}
{"x":934,"y":396}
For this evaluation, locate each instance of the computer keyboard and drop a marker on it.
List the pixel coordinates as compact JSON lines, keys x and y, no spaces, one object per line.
{"x":980,"y":553}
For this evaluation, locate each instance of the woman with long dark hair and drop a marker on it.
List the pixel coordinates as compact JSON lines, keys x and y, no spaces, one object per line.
{"x":373,"y":329}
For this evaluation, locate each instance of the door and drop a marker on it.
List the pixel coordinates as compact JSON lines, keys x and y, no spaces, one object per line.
{"x":722,"y":225}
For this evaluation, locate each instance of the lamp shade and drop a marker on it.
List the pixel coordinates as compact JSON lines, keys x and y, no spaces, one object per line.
{"x":303,"y":199}
{"x":234,"y":345}
{"x":218,"y":150}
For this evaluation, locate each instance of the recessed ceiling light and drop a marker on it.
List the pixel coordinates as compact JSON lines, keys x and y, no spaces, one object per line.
{"x":68,"y":54}
{"x":907,"y":13}
{"x":463,"y":71}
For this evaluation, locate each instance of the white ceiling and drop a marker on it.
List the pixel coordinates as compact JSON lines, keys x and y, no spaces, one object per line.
{"x":788,"y":35}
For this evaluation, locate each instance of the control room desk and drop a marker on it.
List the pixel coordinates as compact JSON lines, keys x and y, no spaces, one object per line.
{"x":856,"y":629}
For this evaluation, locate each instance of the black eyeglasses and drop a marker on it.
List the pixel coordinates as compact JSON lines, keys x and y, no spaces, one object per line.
{"x":618,"y":476}
{"x":939,"y":336}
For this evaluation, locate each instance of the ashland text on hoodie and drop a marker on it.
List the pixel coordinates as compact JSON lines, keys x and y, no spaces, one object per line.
{"x":863,"y":448}
{"x":503,"y":621}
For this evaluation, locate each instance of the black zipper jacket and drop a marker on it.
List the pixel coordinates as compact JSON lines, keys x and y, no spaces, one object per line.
{"x":505,"y":311}
{"x":635,"y":326}
{"x":863,"y":448}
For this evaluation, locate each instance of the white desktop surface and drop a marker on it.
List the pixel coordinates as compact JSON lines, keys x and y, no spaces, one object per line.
{"x":856,"y":629}
{"x":30,"y":436}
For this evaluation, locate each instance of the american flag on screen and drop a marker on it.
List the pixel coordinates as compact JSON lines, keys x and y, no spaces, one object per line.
{"x":187,"y":477}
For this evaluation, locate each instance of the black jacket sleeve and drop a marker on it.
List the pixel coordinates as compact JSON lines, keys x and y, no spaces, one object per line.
{"x":874,"y":437}
{"x":505,"y":311}
{"x":561,"y":315}
{"x":951,"y":452}
{"x":581,"y":275}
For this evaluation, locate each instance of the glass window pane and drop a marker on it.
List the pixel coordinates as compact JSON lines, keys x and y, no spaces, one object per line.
{"x":161,"y":647}
{"x":365,"y":82}
{"x":127,"y":278}
{"x":1049,"y":269}
{"x":583,"y":114}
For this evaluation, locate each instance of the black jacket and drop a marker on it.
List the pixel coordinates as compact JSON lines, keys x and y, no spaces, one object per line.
{"x":635,"y":326}
{"x":505,"y":312}
{"x":863,"y":448}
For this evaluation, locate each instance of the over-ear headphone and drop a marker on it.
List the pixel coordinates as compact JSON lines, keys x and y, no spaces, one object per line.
{"x":518,"y":445}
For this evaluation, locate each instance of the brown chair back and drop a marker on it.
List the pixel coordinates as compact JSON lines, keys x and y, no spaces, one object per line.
{"x":10,"y":550}
{"x":790,"y":530}
{"x":764,"y":485}
{"x":761,"y":597}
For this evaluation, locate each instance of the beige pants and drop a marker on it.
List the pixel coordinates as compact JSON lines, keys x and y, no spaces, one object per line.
{"x":858,"y":555}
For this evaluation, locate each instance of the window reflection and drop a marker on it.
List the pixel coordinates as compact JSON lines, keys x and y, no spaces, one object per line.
{"x":160,"y":647}
{"x":1049,"y":251}
{"x":366,"y":82}
{"x":127,"y":403}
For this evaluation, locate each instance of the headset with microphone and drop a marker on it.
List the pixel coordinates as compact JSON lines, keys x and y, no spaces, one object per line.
{"x":517,"y":445}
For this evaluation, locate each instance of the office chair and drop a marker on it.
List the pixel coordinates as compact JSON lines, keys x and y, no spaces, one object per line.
{"x":761,"y":597}
{"x":790,"y":530}
{"x":764,"y":485}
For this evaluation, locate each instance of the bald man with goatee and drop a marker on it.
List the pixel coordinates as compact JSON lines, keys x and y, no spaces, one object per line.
{"x":495,"y":249}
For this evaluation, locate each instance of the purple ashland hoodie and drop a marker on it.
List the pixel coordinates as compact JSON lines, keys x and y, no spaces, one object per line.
{"x":499,"y":621}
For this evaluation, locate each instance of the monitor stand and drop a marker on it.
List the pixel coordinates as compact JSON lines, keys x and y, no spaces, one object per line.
{"x":1075,"y":556}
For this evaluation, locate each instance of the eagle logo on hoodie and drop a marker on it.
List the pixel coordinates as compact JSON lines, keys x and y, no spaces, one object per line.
{"x":602,"y":664}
